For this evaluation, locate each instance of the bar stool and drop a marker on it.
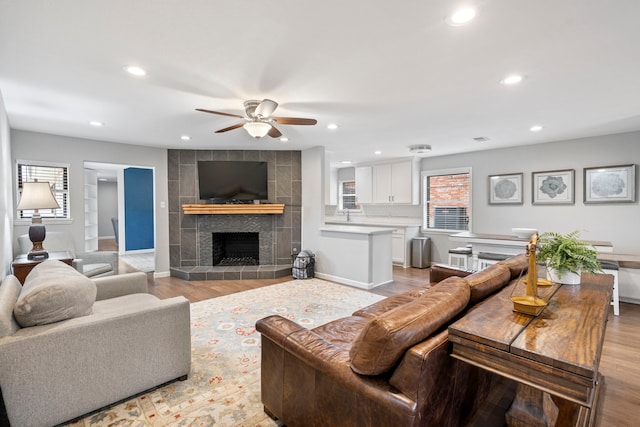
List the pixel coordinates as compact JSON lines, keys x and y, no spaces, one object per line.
{"x":459,"y":257}
{"x":612,"y":267}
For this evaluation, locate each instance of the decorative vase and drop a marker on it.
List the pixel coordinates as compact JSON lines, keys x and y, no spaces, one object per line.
{"x":567,"y":278}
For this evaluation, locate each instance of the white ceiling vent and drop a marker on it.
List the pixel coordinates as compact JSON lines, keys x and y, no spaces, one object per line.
{"x":419,"y":149}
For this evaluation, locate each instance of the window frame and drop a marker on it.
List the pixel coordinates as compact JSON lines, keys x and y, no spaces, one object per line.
{"x":45,"y":213}
{"x":424,"y":176}
{"x":341,"y":196}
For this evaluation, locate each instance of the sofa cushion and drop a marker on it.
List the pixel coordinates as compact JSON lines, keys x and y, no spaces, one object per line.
{"x":383,"y":306}
{"x":9,"y":292}
{"x":93,"y":270}
{"x":386,"y":337}
{"x":54,"y":291}
{"x":517,"y":265}
{"x":487,"y":281}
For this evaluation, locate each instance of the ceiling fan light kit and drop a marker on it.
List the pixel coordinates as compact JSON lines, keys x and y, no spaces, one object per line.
{"x":259,"y":121}
{"x":257,"y":129}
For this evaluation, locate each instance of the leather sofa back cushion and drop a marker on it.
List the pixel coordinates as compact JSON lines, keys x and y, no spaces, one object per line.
{"x":386,"y":337}
{"x":54,"y":291}
{"x":518,"y":265}
{"x":487,"y":281}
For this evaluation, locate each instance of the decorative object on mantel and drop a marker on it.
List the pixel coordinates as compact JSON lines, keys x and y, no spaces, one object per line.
{"x":530,"y":303}
{"x":35,"y":196}
{"x":234,"y":209}
{"x":566,"y":257}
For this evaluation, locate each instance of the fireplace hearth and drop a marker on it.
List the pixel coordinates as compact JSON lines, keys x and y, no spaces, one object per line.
{"x":235,"y":248}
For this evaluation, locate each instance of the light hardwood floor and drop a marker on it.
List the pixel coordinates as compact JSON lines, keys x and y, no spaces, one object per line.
{"x":620,"y":363}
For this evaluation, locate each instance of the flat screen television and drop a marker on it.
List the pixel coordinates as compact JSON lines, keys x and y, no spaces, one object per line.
{"x":221,"y":181}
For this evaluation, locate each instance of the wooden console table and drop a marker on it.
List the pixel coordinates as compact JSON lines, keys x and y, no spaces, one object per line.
{"x":556,"y":353}
{"x":22,"y":266}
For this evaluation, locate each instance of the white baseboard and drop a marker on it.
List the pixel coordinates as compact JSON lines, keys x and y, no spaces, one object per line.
{"x":159,"y":274}
{"x":349,"y":282}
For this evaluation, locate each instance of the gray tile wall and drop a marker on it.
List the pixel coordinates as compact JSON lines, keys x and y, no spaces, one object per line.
{"x":190,"y":235}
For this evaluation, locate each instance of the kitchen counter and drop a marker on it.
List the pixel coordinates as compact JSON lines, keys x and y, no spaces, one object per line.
{"x":356,"y":229}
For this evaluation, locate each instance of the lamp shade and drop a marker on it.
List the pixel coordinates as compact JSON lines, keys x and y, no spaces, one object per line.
{"x":37,"y":195}
{"x":257,"y":129}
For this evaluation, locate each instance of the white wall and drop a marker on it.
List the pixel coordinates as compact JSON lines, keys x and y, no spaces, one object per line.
{"x":6,"y":194}
{"x":107,"y":207}
{"x":75,"y":151}
{"x":617,"y":223}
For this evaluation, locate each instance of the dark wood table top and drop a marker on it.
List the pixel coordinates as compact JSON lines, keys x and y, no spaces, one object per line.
{"x":557,"y":351}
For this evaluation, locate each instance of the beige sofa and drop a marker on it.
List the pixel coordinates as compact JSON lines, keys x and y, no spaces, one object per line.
{"x":130,"y":341}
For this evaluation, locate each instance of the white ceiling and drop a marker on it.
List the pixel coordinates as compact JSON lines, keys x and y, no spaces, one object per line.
{"x":390,"y":74}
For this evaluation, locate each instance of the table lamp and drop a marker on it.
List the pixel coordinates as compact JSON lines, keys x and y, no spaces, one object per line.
{"x":37,"y":195}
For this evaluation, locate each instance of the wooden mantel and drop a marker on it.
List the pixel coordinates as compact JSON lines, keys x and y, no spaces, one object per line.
{"x":231,"y":209}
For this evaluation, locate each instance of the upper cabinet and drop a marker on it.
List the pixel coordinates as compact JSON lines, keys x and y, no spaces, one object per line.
{"x":364,"y":185}
{"x":396,"y":182}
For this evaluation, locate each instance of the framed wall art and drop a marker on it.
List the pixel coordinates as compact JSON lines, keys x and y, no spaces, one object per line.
{"x":505,"y":189}
{"x":553,"y":187}
{"x":610,"y":184}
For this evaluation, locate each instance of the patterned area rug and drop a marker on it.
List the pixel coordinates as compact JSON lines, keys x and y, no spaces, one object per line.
{"x":223,"y":388}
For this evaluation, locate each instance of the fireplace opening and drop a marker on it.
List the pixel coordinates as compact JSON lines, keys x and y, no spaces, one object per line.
{"x":237,"y":248}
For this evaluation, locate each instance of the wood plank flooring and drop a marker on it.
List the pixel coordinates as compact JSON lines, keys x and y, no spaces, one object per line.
{"x":620,"y":363}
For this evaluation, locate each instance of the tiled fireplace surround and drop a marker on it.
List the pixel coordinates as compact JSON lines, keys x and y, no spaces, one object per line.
{"x":190,"y":235}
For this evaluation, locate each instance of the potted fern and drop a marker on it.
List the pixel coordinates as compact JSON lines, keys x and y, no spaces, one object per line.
{"x":566,"y":257}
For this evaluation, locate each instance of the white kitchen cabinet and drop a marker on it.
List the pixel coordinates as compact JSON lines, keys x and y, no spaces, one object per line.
{"x":396,"y":182}
{"x":364,"y":185}
{"x":401,"y":240}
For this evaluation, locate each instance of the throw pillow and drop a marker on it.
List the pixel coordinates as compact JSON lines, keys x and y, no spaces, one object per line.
{"x":386,"y":337}
{"x":54,"y":291}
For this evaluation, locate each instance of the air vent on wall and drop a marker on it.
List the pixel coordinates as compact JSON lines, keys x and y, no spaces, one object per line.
{"x":481,"y":139}
{"x":419,"y":149}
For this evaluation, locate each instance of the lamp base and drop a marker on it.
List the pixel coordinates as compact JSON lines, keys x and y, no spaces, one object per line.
{"x":37,"y":255}
{"x":37,"y":233}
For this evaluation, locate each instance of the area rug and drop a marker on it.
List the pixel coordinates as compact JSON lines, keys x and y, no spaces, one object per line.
{"x":223,"y":388}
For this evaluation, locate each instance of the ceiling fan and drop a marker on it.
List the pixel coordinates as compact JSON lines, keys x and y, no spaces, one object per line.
{"x":259,"y":121}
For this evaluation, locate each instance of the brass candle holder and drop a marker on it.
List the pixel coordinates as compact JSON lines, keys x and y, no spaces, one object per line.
{"x":530,"y":303}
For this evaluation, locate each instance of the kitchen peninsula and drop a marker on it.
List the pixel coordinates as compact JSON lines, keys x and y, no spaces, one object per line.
{"x":356,"y":256}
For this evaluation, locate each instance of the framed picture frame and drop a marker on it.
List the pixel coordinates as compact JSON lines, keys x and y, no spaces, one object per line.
{"x":553,"y":187}
{"x":610,"y":184}
{"x":505,"y":189}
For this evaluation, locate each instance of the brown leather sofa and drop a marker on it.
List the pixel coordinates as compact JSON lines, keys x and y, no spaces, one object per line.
{"x":387,"y":364}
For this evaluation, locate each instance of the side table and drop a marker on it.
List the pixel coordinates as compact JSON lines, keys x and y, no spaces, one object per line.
{"x":23,"y":266}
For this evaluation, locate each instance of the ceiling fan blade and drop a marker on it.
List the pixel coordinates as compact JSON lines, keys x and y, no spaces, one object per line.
{"x":294,"y":121}
{"x":274,"y":133}
{"x":266,"y":108}
{"x":220,"y":113}
{"x":236,"y":126}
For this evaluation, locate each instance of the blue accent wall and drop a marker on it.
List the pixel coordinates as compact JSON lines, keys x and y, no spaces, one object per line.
{"x":138,"y":209}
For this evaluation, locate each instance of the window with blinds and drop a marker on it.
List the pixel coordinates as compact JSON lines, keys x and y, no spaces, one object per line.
{"x":348,"y":195}
{"x":446,"y":196}
{"x":58,"y":178}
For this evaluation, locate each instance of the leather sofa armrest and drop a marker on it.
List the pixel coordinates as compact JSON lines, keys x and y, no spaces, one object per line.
{"x":277,"y":328}
{"x":123,"y":284}
{"x":439,"y":272}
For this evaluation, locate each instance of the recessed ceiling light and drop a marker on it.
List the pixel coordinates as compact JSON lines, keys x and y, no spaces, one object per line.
{"x":332,"y":126}
{"x":377,"y":152}
{"x":284,"y":139}
{"x":346,"y":162}
{"x":511,"y":79}
{"x":136,"y":71}
{"x":462,"y":16}
{"x":96,"y":123}
{"x":535,"y":128}
{"x":185,"y":138}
